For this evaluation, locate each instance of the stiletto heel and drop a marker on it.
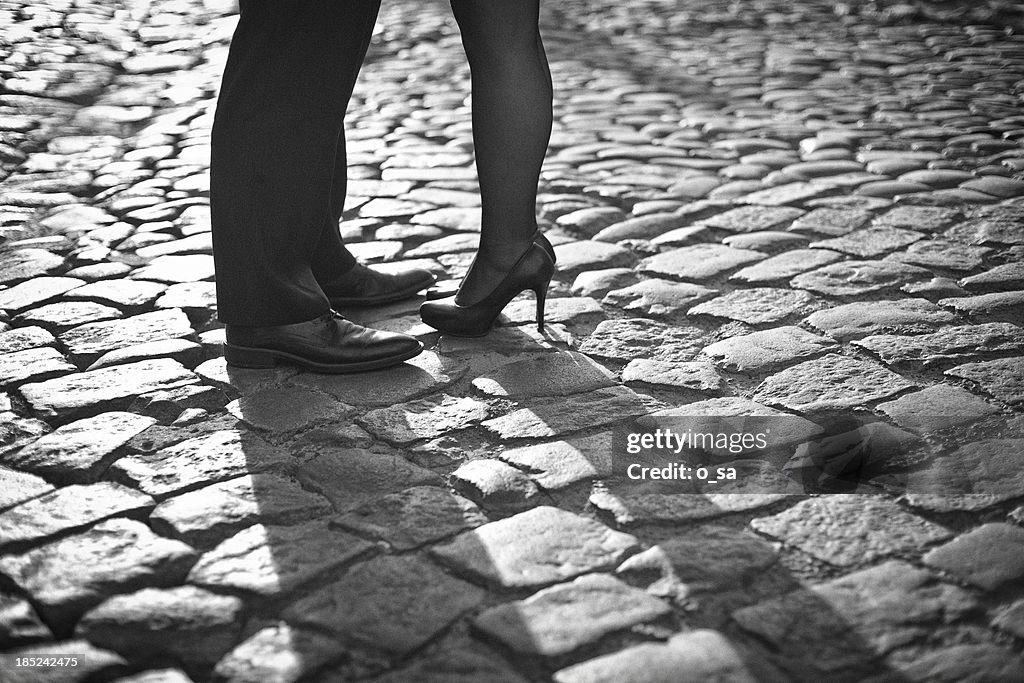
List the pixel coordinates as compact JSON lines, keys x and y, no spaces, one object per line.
{"x":533,"y":270}
{"x":541,"y":293}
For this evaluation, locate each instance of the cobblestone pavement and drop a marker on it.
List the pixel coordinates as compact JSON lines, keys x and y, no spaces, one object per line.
{"x":809,"y":212}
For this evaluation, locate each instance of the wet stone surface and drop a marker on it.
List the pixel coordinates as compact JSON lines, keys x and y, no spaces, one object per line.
{"x":806,"y":213}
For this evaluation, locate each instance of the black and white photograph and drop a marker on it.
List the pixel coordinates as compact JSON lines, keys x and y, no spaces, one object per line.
{"x":511,"y":341}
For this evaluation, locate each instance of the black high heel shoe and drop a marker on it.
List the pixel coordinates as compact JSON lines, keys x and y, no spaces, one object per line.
{"x":532,"y":271}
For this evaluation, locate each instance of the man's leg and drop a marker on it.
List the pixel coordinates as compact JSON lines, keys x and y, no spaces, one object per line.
{"x":289,"y":76}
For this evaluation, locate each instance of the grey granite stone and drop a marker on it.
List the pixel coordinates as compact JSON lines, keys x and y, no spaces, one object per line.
{"x":115,"y":556}
{"x":88,"y":393}
{"x":949,"y":345}
{"x":190,"y":624}
{"x":392,"y":604}
{"x":67,"y":509}
{"x":657,"y":297}
{"x":271,"y":561}
{"x":761,"y":351}
{"x":849,"y":530}
{"x":833,"y":382}
{"x":559,"y":620}
{"x":207,"y":516}
{"x":546,"y":374}
{"x":200,"y":461}
{"x":81,"y":451}
{"x":863,"y":318}
{"x":351,"y":477}
{"x":567,"y":415}
{"x":987,"y":557}
{"x":1002,"y":378}
{"x":700,"y":262}
{"x":937,"y":408}
{"x":624,"y":340}
{"x":690,"y":657}
{"x":516,"y":552}
{"x":412,"y":517}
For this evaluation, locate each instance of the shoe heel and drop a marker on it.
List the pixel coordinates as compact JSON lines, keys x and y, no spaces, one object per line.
{"x":241,"y":357}
{"x":541,"y":293}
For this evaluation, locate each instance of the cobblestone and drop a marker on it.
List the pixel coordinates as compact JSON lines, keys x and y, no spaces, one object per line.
{"x":721,"y":184}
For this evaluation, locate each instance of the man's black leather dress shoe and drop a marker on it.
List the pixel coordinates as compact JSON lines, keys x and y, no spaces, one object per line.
{"x":363,"y":286}
{"x":328,"y":344}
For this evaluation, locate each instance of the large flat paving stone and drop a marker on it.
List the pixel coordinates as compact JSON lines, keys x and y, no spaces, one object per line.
{"x":350,"y":477}
{"x":642,"y":227}
{"x":981,"y":661}
{"x":698,"y":263}
{"x":17,"y":487}
{"x":690,"y":657}
{"x":21,"y":338}
{"x":108,"y":389}
{"x":35,"y":291}
{"x":987,"y":557}
{"x":413,"y":517}
{"x":575,"y":257}
{"x":79,"y":452}
{"x":944,"y":254}
{"x":423,"y":419}
{"x":937,"y":408}
{"x":200,"y":461}
{"x":758,"y":305}
{"x":864,"y":318}
{"x":988,"y":469}
{"x":189,"y":624}
{"x":279,"y":653}
{"x":993,"y":306}
{"x":567,"y":415}
{"x":426,"y":373}
{"x":626,"y":339}
{"x":699,"y":376}
{"x":718,"y":558}
{"x":62,"y":316}
{"x":394,"y":604}
{"x":518,"y":551}
{"x":1002,"y":378}
{"x":767,"y":349}
{"x":785,"y":265}
{"x":949,"y":345}
{"x":745,"y":219}
{"x":656,"y":297}
{"x":848,"y":530}
{"x":561,"y":619}
{"x":121,"y":293}
{"x":854,"y":278}
{"x":557,"y":464}
{"x":837,"y":630}
{"x":274,"y":560}
{"x":67,"y":509}
{"x":23,"y":264}
{"x":87,"y":342}
{"x":870,"y":242}
{"x":547,"y":374}
{"x":287,"y":408}
{"x":833,"y":382}
{"x":33,"y":365}
{"x":206,"y":516}
{"x":115,"y":556}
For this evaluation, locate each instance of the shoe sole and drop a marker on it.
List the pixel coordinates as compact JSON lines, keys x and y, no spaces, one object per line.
{"x":408,"y":293}
{"x":253,"y":358}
